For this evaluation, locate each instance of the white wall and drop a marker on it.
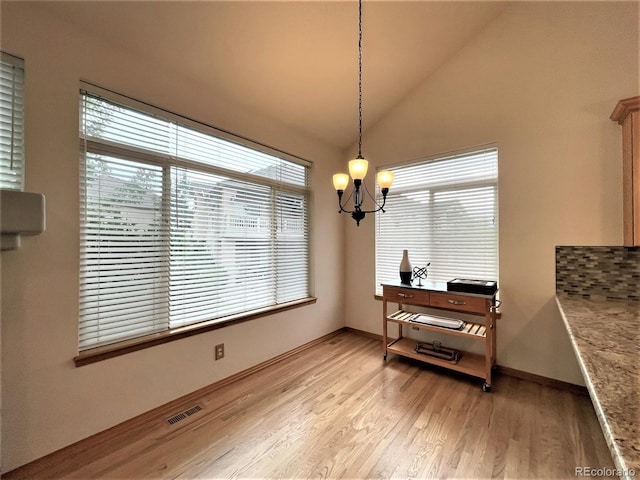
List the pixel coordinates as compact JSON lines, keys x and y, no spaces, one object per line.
{"x":541,"y":82}
{"x":47,"y":403}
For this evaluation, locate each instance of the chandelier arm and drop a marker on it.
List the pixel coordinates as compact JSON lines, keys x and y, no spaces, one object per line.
{"x":373,"y":199}
{"x":340,"y":203}
{"x":379,"y":209}
{"x":343,"y":210}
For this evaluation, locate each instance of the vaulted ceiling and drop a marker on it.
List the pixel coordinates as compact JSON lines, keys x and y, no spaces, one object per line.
{"x":295,"y":61}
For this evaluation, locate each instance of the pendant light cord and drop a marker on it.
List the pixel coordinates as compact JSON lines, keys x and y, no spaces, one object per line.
{"x":360,"y":79}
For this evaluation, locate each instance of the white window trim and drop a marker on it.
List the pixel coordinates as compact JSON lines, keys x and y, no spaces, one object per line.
{"x":479,"y":150}
{"x":15,"y":160}
{"x":150,"y":158}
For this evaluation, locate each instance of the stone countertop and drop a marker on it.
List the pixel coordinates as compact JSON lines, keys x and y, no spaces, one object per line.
{"x":606,"y":338}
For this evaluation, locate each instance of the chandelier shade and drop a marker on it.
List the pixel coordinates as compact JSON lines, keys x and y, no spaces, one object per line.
{"x":340,"y":181}
{"x":358,"y":168}
{"x":385,"y":179}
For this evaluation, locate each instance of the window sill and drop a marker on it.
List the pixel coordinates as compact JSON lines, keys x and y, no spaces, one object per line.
{"x":103,"y":353}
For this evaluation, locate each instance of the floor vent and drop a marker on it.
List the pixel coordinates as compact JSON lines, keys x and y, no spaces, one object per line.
{"x":182,"y":415}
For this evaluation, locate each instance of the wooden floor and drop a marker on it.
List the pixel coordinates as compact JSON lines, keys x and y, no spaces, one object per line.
{"x":337,"y":410}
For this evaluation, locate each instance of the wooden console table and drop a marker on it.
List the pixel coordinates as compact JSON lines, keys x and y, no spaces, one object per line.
{"x":435,"y":295}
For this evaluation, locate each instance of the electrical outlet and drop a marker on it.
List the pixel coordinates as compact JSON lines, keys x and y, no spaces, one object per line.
{"x":219,"y":351}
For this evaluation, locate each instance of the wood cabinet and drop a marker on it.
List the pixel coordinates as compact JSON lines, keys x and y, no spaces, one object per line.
{"x":435,"y":296}
{"x":627,"y":114}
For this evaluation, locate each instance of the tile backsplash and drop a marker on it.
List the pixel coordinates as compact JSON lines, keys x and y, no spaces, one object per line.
{"x":613,"y":272}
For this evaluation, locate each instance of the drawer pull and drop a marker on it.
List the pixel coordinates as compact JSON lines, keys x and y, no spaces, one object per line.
{"x":457,"y":302}
{"x":405,"y":295}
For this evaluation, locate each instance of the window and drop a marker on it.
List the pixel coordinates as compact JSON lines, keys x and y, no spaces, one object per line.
{"x":11,"y":122}
{"x":445,"y":212}
{"x":181,"y":223}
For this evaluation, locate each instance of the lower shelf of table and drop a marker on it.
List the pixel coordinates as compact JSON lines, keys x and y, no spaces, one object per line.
{"x":469,"y":363}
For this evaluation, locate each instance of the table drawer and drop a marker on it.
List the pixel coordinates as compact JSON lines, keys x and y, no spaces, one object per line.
{"x":462,"y":303}
{"x":406,"y":295}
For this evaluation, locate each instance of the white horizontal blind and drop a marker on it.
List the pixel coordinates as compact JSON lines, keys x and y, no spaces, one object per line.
{"x":292,"y":241}
{"x":11,"y":122}
{"x":221,"y":255}
{"x":123,"y":271}
{"x":180,"y":226}
{"x":444,"y":212}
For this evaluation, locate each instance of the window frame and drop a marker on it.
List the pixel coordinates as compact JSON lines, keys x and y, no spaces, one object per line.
{"x":449,"y":187}
{"x":17,"y":124}
{"x":94,"y":354}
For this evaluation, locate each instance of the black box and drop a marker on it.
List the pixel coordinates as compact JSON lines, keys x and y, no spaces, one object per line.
{"x":482,"y":287}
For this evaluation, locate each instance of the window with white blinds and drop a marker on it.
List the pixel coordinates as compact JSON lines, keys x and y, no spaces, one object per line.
{"x":181,"y":223}
{"x":11,"y":122}
{"x":444,"y":211}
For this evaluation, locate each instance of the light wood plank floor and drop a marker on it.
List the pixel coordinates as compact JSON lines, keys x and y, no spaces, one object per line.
{"x":337,"y":410}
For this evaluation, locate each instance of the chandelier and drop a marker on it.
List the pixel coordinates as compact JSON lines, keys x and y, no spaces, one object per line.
{"x":358,"y":166}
